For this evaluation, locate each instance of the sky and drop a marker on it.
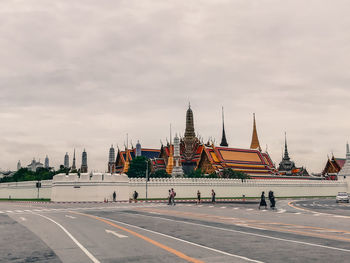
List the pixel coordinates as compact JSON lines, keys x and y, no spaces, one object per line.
{"x":83,"y":74}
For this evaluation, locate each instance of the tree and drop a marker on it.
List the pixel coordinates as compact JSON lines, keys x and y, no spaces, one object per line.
{"x":138,"y":167}
{"x":160,"y":174}
{"x":195,"y":174}
{"x":232,"y":174}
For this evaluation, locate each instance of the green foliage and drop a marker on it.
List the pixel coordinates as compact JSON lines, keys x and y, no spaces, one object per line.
{"x":24,"y":174}
{"x":195,"y":174}
{"x":138,"y":167}
{"x":213,"y":175}
{"x":160,"y":174}
{"x":229,"y":173}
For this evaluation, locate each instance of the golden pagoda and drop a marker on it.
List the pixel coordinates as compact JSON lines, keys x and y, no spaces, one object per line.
{"x":255,"y":145}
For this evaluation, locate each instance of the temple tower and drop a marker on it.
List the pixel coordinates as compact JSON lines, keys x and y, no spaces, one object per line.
{"x":170,"y":165}
{"x":190,"y":136}
{"x":84,"y":166}
{"x":177,"y":170}
{"x":345,"y":171}
{"x":19,"y":166}
{"x":66,"y":161}
{"x":255,"y":145}
{"x":111,"y":160}
{"x":286,"y":154}
{"x":74,"y":167}
{"x":223,"y":138}
{"x":47,"y":162}
{"x":138,"y":149}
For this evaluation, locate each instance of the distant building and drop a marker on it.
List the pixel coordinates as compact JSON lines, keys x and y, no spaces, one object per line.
{"x":47,"y":162}
{"x":74,"y":166}
{"x":111,"y":160}
{"x":19,"y":166}
{"x":34,"y":165}
{"x":332,"y":168}
{"x":66,"y":161}
{"x":287,"y":167}
{"x":84,"y":166}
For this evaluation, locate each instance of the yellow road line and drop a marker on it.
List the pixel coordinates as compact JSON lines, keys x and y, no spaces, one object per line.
{"x":169,"y":249}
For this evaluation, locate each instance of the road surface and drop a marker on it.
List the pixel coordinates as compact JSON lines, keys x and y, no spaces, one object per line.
{"x":313,"y":230}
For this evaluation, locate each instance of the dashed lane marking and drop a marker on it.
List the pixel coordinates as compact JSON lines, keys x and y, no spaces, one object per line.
{"x":249,"y":209}
{"x":281,"y":211}
{"x":9,"y":211}
{"x":1,"y":212}
{"x":223,"y":207}
{"x":23,"y":218}
{"x":179,"y":254}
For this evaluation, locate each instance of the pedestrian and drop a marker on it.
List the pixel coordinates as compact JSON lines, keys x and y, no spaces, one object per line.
{"x":135,"y":195}
{"x":169,"y":197}
{"x":114,"y":196}
{"x":173,"y":194}
{"x":273,"y":201}
{"x":213,"y":194}
{"x":262,"y":201}
{"x":198,"y":197}
{"x":270,"y":196}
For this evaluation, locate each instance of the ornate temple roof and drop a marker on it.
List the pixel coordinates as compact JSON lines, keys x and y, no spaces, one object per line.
{"x":245,"y":160}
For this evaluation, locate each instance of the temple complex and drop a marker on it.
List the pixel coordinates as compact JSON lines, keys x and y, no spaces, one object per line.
{"x":332,"y":168}
{"x":287,"y":167}
{"x":123,"y":158}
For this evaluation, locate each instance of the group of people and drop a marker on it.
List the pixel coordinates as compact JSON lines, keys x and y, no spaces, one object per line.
{"x":171,"y":197}
{"x":271,"y":199}
{"x":213,"y":195}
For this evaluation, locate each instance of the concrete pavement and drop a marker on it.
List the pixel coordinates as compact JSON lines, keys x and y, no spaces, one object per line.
{"x":182,"y":233}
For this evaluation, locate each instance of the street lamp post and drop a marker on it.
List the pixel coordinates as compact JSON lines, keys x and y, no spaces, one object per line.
{"x":146,"y":179}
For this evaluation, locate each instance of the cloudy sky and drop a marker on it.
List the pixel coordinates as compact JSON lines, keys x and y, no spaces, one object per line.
{"x":84,"y":73}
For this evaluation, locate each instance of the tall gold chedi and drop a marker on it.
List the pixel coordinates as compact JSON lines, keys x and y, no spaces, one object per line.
{"x":170,"y":165}
{"x":127,"y":162}
{"x":255,"y":145}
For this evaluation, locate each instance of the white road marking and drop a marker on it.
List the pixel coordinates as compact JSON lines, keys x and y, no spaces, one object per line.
{"x":223,"y":207}
{"x":236,"y":208}
{"x":200,"y":205}
{"x":27,"y":210}
{"x":211,"y":206}
{"x":154,"y":213}
{"x":19,"y":211}
{"x":9,"y":211}
{"x":241,"y":232}
{"x":23,"y":218}
{"x":72,"y":217}
{"x":317,"y":214}
{"x":93,"y":259}
{"x":249,"y":209}
{"x":281,"y":211}
{"x":298,"y":213}
{"x":340,"y":216}
{"x":115,"y":233}
{"x":185,"y":241}
{"x":1,"y":212}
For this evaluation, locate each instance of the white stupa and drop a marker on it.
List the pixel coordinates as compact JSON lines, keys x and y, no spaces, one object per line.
{"x":177,"y":169}
{"x":345,"y":171}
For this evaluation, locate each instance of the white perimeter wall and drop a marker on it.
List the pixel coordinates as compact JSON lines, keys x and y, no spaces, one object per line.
{"x":101,"y":186}
{"x":26,"y":190}
{"x":188,"y":187}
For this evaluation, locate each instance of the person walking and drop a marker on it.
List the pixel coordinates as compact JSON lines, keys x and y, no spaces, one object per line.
{"x":262,"y":201}
{"x":173,"y":194}
{"x":272,"y":201}
{"x":213,"y":194}
{"x":114,"y":196}
{"x":169,"y":197}
{"x":198,"y":197}
{"x":135,"y":196}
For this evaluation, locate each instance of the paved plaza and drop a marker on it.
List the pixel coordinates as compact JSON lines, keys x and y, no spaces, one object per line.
{"x":310,"y":230}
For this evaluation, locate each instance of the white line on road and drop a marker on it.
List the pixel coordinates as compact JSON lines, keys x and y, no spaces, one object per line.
{"x":72,"y":217}
{"x":249,"y":209}
{"x":93,"y":259}
{"x":23,"y":218}
{"x":1,"y":212}
{"x":155,"y":213}
{"x":223,"y":207}
{"x":115,"y":233}
{"x":185,"y":241}
{"x":281,"y":211}
{"x":8,"y":211}
{"x":19,"y":211}
{"x":245,"y":233}
{"x":236,"y":208}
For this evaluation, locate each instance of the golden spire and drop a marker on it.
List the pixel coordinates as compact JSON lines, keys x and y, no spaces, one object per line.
{"x":170,"y":165}
{"x":127,"y":163}
{"x":255,"y":145}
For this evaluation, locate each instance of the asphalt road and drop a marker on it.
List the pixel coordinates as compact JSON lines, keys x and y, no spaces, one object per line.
{"x":298,"y":231}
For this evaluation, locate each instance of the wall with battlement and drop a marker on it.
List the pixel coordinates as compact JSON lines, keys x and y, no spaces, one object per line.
{"x":188,"y":187}
{"x":101,"y":186}
{"x":26,"y":190}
